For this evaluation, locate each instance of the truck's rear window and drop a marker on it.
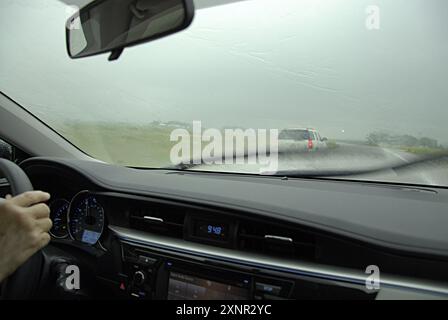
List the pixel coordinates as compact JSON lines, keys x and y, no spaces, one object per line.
{"x":294,"y":135}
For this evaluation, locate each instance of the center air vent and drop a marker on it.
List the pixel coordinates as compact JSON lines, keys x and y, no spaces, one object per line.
{"x":274,"y":239}
{"x":277,"y":241}
{"x":163,"y":220}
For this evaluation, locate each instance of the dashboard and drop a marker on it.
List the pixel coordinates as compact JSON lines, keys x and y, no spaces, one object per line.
{"x":155,"y":234}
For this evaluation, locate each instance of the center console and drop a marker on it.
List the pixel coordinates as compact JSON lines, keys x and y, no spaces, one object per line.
{"x":150,"y":274}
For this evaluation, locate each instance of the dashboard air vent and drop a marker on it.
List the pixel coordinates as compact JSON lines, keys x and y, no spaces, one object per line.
{"x":276,"y":240}
{"x":164,"y":220}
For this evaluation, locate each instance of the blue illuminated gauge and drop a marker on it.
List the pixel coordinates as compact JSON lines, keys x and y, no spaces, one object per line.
{"x":86,"y":219}
{"x":58,"y":215}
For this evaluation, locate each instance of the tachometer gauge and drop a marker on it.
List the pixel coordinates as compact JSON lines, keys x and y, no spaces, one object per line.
{"x":86,"y":218}
{"x":58,"y":215}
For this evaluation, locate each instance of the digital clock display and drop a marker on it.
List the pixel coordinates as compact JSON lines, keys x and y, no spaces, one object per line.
{"x":211,"y":230}
{"x":217,"y":230}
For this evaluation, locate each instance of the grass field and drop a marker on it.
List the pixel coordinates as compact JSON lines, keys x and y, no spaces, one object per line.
{"x":424,"y":150}
{"x":123,"y":144}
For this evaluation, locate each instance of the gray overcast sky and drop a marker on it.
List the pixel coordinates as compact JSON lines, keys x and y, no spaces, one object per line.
{"x":257,"y":63}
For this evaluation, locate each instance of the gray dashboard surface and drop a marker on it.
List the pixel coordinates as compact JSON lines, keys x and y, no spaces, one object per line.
{"x":398,"y":217}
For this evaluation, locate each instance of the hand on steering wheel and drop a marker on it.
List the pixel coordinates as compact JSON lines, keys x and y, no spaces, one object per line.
{"x":24,"y":226}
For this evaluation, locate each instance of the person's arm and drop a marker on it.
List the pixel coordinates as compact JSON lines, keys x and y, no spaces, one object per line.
{"x":24,"y":225}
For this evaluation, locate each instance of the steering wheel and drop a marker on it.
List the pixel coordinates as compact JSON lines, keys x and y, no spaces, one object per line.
{"x":24,"y":283}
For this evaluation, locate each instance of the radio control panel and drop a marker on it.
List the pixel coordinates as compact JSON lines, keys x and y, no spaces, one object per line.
{"x":150,"y":275}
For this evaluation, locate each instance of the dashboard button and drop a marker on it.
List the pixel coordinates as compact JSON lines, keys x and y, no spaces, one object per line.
{"x":147,"y":261}
{"x":139,"y":278}
{"x":268,"y":288}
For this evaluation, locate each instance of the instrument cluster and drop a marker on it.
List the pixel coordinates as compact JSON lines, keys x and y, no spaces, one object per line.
{"x":81,"y":219}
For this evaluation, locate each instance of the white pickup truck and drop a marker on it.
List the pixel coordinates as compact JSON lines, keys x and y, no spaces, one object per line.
{"x":301,"y":138}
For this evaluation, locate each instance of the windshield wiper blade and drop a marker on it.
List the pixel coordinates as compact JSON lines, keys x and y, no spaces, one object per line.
{"x":192,"y":163}
{"x":320,"y":173}
{"x":355,"y":172}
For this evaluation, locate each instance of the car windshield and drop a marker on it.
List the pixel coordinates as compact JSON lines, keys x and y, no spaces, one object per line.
{"x":368,"y":76}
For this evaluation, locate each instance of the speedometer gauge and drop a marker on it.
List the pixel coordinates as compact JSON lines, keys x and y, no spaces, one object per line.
{"x":58,"y":215}
{"x":86,"y":218}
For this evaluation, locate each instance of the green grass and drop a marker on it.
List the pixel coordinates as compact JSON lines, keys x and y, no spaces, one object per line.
{"x":424,"y":150}
{"x":331,"y":144}
{"x":123,"y":144}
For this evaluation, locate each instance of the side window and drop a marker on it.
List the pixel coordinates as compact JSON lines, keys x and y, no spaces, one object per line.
{"x":312,"y":135}
{"x":9,"y":152}
{"x":5,"y":150}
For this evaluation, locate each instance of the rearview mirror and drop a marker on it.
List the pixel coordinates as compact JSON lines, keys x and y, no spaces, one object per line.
{"x":111,"y":25}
